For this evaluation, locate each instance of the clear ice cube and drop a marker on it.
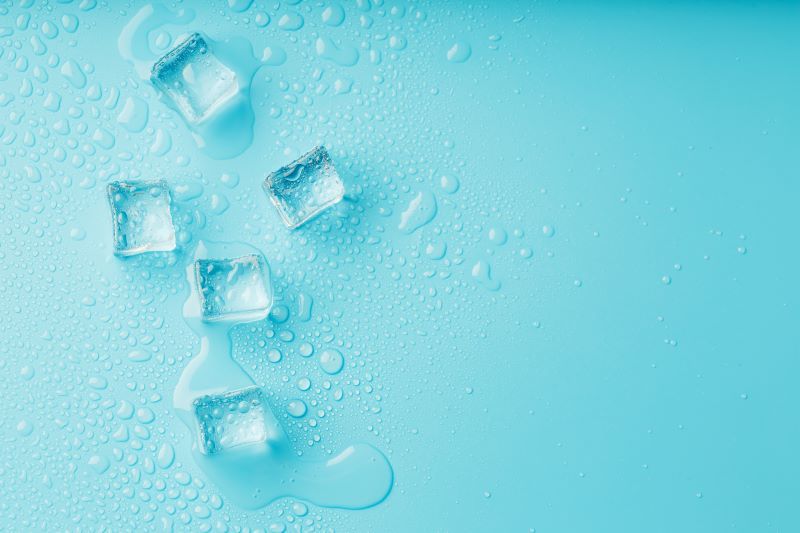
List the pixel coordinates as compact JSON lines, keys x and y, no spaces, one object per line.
{"x":142,"y":218}
{"x":196,"y":81}
{"x":236,"y":418}
{"x":236,"y":289}
{"x":304,"y":188}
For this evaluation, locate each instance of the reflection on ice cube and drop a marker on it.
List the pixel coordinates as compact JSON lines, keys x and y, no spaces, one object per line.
{"x":304,"y":188}
{"x":235,"y":289}
{"x":194,"y":79}
{"x":233,"y":419}
{"x":142,"y":218}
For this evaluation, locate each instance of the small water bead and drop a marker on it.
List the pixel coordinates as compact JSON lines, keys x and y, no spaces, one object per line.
{"x":27,"y":372}
{"x":449,"y":184}
{"x":77,"y":234}
{"x":125,"y":410}
{"x":24,"y":428}
{"x":218,"y":203}
{"x":397,"y":42}
{"x":134,"y":114}
{"x":296,"y":408}
{"x":342,"y":54}
{"x":436,"y":249}
{"x":239,"y":6}
{"x":303,"y":384}
{"x":166,"y":455}
{"x":525,"y":253}
{"x":548,"y":231}
{"x":459,"y":52}
{"x":185,"y":191}
{"x":741,"y":250}
{"x":262,"y":19}
{"x":145,"y":415}
{"x":342,"y":85}
{"x":99,"y":463}
{"x":229,"y":179}
{"x":299,"y":509}
{"x":98,"y":382}
{"x":331,"y":361}
{"x":482,"y":273}
{"x":666,"y":280}
{"x":274,"y":355}
{"x":306,"y":349}
{"x":419,"y":212}
{"x":69,"y":23}
{"x":139,"y":356}
{"x":333,"y":15}
{"x":497,"y":236}
{"x":273,"y":56}
{"x":290,"y":22}
{"x":162,"y":40}
{"x":279,"y":314}
{"x":305,"y":305}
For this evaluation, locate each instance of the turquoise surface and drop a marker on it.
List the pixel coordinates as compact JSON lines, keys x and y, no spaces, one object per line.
{"x":560,"y":293}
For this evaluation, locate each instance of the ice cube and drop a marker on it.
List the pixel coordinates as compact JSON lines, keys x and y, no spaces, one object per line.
{"x":235,"y":289}
{"x":196,"y":81}
{"x":304,"y":188}
{"x":142,"y":217}
{"x":233,"y":419}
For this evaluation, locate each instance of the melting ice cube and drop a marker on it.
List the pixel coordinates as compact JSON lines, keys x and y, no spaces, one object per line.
{"x":304,"y":188}
{"x":236,"y":289}
{"x":236,"y":418}
{"x":142,"y":217}
{"x":196,"y":81}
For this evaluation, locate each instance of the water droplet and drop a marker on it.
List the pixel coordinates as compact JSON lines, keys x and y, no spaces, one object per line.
{"x":166,"y":455}
{"x":449,"y":184}
{"x":306,"y":349}
{"x":482,"y":273}
{"x":134,"y":114}
{"x":139,"y":356}
{"x":420,"y":211}
{"x":497,"y":236}
{"x":297,"y":408}
{"x":239,"y":5}
{"x":290,"y":22}
{"x":99,"y":463}
{"x":459,"y":52}
{"x":333,"y":15}
{"x":24,"y":428}
{"x":331,"y":361}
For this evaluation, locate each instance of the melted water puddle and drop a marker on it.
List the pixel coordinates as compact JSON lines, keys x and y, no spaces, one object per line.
{"x":145,"y":39}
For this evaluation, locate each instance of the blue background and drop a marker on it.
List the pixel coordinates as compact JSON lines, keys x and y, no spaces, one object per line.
{"x":635,"y":373}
